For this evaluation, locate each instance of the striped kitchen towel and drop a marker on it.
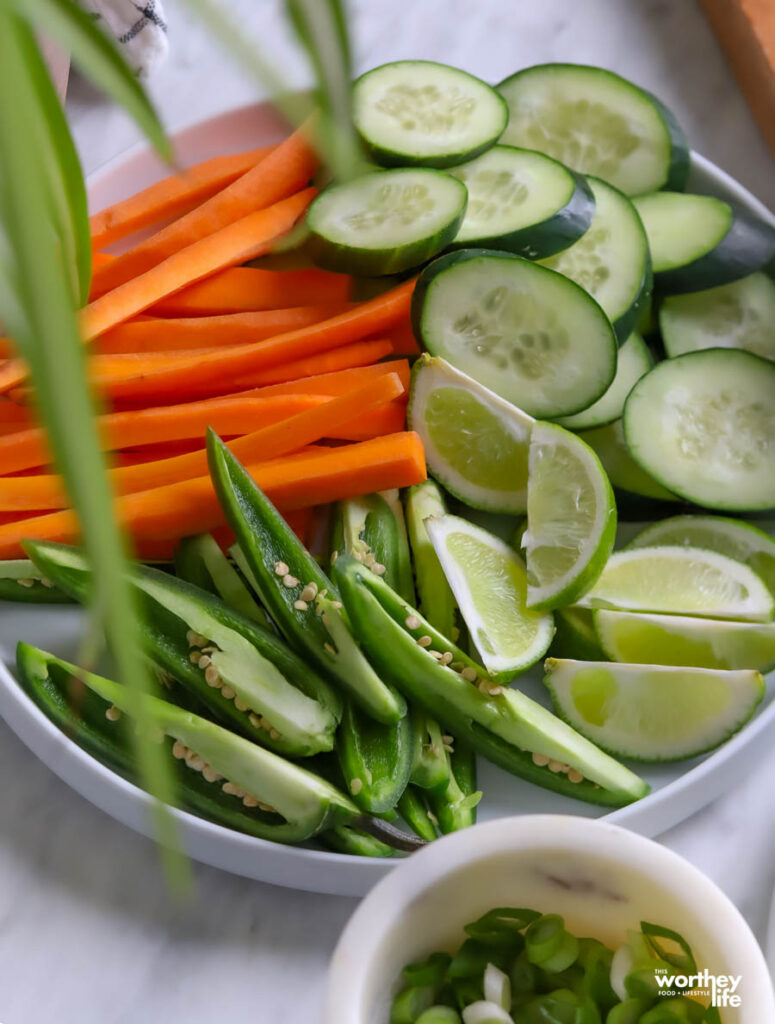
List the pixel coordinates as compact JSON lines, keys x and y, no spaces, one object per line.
{"x":138,"y":25}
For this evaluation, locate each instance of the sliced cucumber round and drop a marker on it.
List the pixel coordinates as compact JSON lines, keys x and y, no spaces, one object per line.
{"x":623,"y":471}
{"x":703,"y":425}
{"x":476,"y":443}
{"x":597,"y":123}
{"x":653,"y":712}
{"x":385,"y":221}
{"x":421,"y":112}
{"x":530,"y":335}
{"x":611,"y":261}
{"x":700,"y":242}
{"x":737,"y":315}
{"x":633,"y":362}
{"x":523,"y":202}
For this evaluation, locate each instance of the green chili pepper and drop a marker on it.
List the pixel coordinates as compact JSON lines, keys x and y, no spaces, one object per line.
{"x":503,"y":724}
{"x":414,"y":811}
{"x":345,"y":839}
{"x":455,"y":808}
{"x":220,"y":776}
{"x":295,"y":590}
{"x":372,"y":529}
{"x":434,"y":595}
{"x":22,"y":581}
{"x":199,"y":560}
{"x":430,"y":767}
{"x":243,"y":674}
{"x":375,"y":758}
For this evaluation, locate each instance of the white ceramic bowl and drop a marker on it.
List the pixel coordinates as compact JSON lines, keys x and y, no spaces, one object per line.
{"x":601,"y":878}
{"x":678,"y":790}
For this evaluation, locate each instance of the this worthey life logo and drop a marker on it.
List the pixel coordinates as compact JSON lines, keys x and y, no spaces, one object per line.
{"x":721,"y":988}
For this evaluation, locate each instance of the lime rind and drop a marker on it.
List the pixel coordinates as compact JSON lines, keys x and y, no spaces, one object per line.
{"x":476,"y":443}
{"x":676,"y":580}
{"x":571,"y":518}
{"x":489,"y":581}
{"x":683,"y":640}
{"x":731,"y":537}
{"x":653,"y":713}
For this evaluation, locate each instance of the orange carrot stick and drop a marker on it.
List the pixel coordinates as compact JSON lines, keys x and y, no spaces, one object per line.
{"x":269,"y":442}
{"x":158,"y":335}
{"x":171,"y":197}
{"x":338,"y":382}
{"x":229,"y":416}
{"x":233,"y":244}
{"x":250,"y":289}
{"x":356,"y":355}
{"x":387,"y":419}
{"x":124,"y":376}
{"x":296,"y":481}
{"x":404,"y":341}
{"x":283,"y":172}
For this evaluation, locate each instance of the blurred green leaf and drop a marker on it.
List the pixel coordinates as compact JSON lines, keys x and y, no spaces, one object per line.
{"x":64,"y":170}
{"x":97,"y":57}
{"x":39,"y":311}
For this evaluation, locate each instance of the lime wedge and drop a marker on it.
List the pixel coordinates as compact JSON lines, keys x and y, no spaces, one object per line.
{"x":571,"y":518}
{"x":652,"y":712}
{"x":476,"y":443}
{"x":680,"y":640}
{"x":681,"y":581}
{"x":489,"y":581}
{"x":731,"y":537}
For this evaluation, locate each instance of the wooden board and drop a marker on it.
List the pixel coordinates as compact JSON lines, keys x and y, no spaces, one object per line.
{"x":746,"y":31}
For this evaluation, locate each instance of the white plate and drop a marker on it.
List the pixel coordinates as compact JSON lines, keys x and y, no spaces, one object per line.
{"x":678,"y":790}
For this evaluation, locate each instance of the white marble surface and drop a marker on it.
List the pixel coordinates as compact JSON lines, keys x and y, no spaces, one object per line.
{"x":87,"y":930}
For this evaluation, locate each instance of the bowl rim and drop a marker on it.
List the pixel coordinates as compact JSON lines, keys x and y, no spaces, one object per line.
{"x":303,"y":866}
{"x":381,"y":910}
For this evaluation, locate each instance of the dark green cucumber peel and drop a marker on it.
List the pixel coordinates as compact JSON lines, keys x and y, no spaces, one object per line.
{"x":747,"y":247}
{"x":268,"y":544}
{"x":22,"y":582}
{"x":477,"y":718}
{"x":680,"y":155}
{"x":174,"y":611}
{"x":546,"y":237}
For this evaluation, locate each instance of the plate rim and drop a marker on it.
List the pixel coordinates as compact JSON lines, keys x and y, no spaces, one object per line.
{"x":302,"y":867}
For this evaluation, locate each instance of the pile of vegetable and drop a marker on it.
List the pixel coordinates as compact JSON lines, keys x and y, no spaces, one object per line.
{"x":340,"y":634}
{"x":517,"y":966}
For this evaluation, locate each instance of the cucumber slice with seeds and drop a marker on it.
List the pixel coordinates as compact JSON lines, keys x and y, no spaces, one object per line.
{"x":597,"y":123}
{"x":611,"y":261}
{"x":523,"y":202}
{"x":700,"y":242}
{"x":622,"y":470}
{"x":421,"y":112}
{"x":527,"y":333}
{"x":633,"y":362}
{"x":736,"y":315}
{"x":386,"y":221}
{"x":703,"y":425}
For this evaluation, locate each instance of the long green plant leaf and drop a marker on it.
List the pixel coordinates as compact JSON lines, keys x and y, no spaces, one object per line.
{"x":41,"y":318}
{"x":98,"y":58}
{"x":64,"y":171}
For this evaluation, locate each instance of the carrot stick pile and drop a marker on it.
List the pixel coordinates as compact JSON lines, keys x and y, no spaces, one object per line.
{"x":305,"y":385}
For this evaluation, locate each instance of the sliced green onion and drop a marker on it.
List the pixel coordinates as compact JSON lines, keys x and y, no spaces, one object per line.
{"x":560,"y":1007}
{"x":549,"y":946}
{"x":467,"y":991}
{"x":409,"y":1004}
{"x":524,"y":979}
{"x":472,"y":958}
{"x":484,"y":1012}
{"x":674,"y":1011}
{"x":628,"y":1012}
{"x":683,"y":961}
{"x":501,"y":925}
{"x":432,"y":971}
{"x":439,"y":1015}
{"x":497,"y":987}
{"x":595,"y":959}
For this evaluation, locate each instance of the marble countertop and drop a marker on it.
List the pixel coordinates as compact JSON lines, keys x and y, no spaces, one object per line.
{"x":88,"y":932}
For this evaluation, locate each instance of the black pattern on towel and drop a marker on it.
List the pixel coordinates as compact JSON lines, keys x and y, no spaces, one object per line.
{"x":138,"y":25}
